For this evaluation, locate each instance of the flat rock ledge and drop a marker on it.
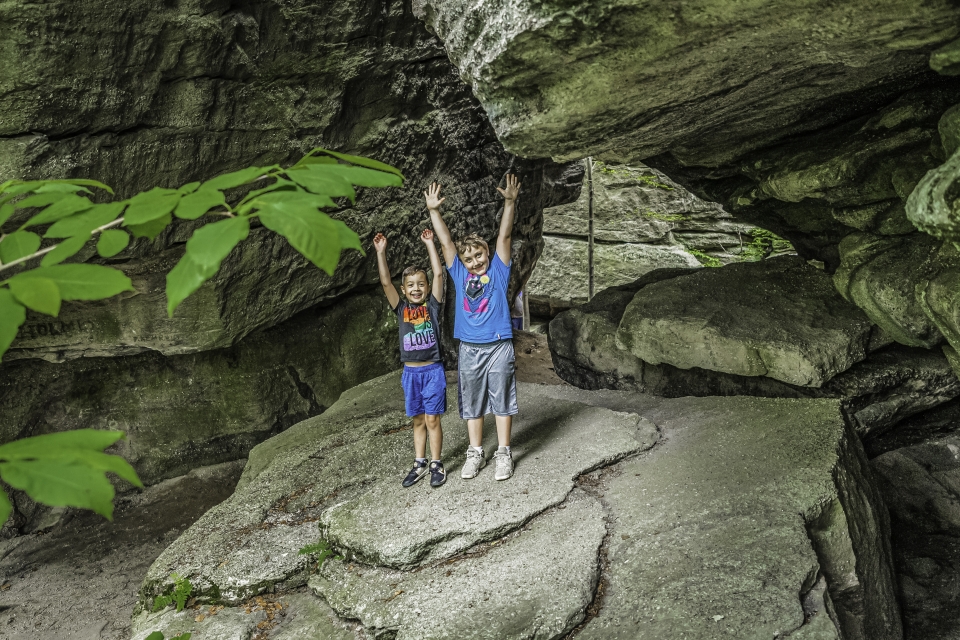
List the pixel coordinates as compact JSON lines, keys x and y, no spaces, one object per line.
{"x":630,"y":516}
{"x":779,"y":318}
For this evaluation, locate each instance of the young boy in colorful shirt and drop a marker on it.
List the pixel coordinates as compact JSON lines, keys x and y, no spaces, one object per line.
{"x":487,"y":383}
{"x":424,"y":383}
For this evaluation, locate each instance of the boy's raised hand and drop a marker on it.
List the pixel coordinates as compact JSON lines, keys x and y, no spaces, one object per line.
{"x":432,"y":194}
{"x":513,"y":188}
{"x":380,"y":242}
{"x":427,"y":236}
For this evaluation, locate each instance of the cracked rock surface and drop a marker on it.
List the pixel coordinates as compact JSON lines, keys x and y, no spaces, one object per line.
{"x":629,"y":516}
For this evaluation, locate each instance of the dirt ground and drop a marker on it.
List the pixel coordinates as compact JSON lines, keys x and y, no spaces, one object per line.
{"x":78,"y":580}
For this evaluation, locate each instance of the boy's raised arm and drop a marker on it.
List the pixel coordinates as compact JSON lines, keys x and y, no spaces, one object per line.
{"x":504,"y":242}
{"x":380,"y":244}
{"x":427,"y":237}
{"x":432,"y":194}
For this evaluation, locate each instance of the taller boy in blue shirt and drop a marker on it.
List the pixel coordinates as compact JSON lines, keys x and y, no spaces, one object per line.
{"x":487,"y":383}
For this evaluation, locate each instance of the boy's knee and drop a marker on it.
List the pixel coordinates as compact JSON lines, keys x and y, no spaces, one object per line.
{"x":433,"y":422}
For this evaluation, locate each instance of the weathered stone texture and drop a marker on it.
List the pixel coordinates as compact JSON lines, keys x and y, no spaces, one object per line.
{"x":185,"y":411}
{"x":167,"y":94}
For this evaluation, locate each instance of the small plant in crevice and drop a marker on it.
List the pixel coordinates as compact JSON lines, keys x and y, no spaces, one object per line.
{"x":157,"y":635}
{"x":763,"y":244}
{"x":631,"y":174}
{"x":705,"y":259}
{"x":179,"y":595}
{"x":663,"y":217}
{"x":321,"y":549}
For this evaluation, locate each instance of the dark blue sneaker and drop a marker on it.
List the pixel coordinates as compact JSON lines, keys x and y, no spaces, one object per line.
{"x":437,"y":474}
{"x":419,"y":470}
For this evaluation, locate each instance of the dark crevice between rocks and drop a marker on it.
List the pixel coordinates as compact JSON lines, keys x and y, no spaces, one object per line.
{"x":306,"y":392}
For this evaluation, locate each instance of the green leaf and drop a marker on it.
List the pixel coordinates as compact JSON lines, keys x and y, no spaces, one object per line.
{"x":81,"y":281}
{"x":61,"y":485}
{"x":190,"y":187}
{"x":84,"y":223}
{"x":151,"y":205}
{"x":198,"y":203}
{"x":60,"y":187}
{"x":348,"y":237}
{"x":321,"y":183}
{"x":40,"y":200}
{"x":360,"y":176}
{"x":6,"y":508}
{"x":64,"y":250}
{"x":244,"y":207}
{"x":17,"y":245}
{"x":150,"y":229}
{"x":236,"y":178}
{"x":211,"y":243}
{"x":185,"y":278}
{"x":37,"y":293}
{"x":156,"y":635}
{"x":290,"y":198}
{"x":66,"y":206}
{"x":12,"y":315}
{"x":5,"y":212}
{"x":359,"y":161}
{"x":112,"y":242}
{"x":54,"y":444}
{"x":309,"y":231}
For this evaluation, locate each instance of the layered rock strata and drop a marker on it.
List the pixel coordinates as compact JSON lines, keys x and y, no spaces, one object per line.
{"x":642,"y":221}
{"x":205,"y":88}
{"x":759,"y":332}
{"x":752,"y":517}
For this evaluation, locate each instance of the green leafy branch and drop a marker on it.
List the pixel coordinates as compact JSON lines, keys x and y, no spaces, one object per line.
{"x":69,"y":469}
{"x":65,"y":469}
{"x":289,"y":203}
{"x":321,"y":549}
{"x":178,"y":595}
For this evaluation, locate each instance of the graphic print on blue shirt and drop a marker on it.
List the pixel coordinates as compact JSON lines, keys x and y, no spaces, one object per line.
{"x":423,"y":335}
{"x":476,"y":294}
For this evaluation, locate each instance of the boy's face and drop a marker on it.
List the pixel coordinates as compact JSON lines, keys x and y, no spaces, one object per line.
{"x":415,"y":287}
{"x":476,"y":260}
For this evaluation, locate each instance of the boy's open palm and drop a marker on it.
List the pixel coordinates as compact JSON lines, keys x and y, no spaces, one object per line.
{"x":432,"y":194}
{"x":380,"y":242}
{"x":513,"y":188}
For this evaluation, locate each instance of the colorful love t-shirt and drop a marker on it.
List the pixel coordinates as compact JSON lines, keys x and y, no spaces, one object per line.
{"x":419,"y":330}
{"x":483,"y":314}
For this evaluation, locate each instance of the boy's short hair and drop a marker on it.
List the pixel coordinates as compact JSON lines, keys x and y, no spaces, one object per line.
{"x":411,"y":271}
{"x":472,"y":240}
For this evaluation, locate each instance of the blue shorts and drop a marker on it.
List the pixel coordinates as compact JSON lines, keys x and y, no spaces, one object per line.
{"x":425,"y":389}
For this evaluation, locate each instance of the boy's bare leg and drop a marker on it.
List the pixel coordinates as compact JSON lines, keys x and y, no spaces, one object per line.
{"x":436,"y":435}
{"x":504,"y":424}
{"x":420,"y":436}
{"x":475,"y":432}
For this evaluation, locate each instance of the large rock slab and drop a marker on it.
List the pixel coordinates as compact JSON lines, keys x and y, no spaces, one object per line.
{"x":184,"y":411}
{"x":706,"y":81}
{"x":779,"y":318}
{"x":343,"y":468}
{"x":722,"y":529}
{"x":207,"y":88}
{"x":751,"y":516}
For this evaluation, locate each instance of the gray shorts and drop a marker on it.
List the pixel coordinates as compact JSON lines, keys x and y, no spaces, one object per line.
{"x":487,"y":383}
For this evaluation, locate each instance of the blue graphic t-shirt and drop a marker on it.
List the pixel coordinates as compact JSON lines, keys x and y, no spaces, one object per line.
{"x":419,"y":337}
{"x":483,"y":314}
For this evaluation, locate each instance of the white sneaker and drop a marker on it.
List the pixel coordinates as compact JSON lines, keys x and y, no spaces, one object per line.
{"x":475,"y":462}
{"x":504,"y":464}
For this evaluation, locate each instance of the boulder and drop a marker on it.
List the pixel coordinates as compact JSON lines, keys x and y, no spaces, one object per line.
{"x":880,"y":274}
{"x":921,"y":487}
{"x":708,"y":82}
{"x":932,"y":206}
{"x":750,"y":516}
{"x":889,"y":386}
{"x":206,"y":89}
{"x":779,"y":318}
{"x":184,"y":411}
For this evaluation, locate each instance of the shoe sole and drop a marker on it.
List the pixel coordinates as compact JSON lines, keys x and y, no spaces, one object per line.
{"x":482,"y":465}
{"x":503,"y":478}
{"x":419,"y":478}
